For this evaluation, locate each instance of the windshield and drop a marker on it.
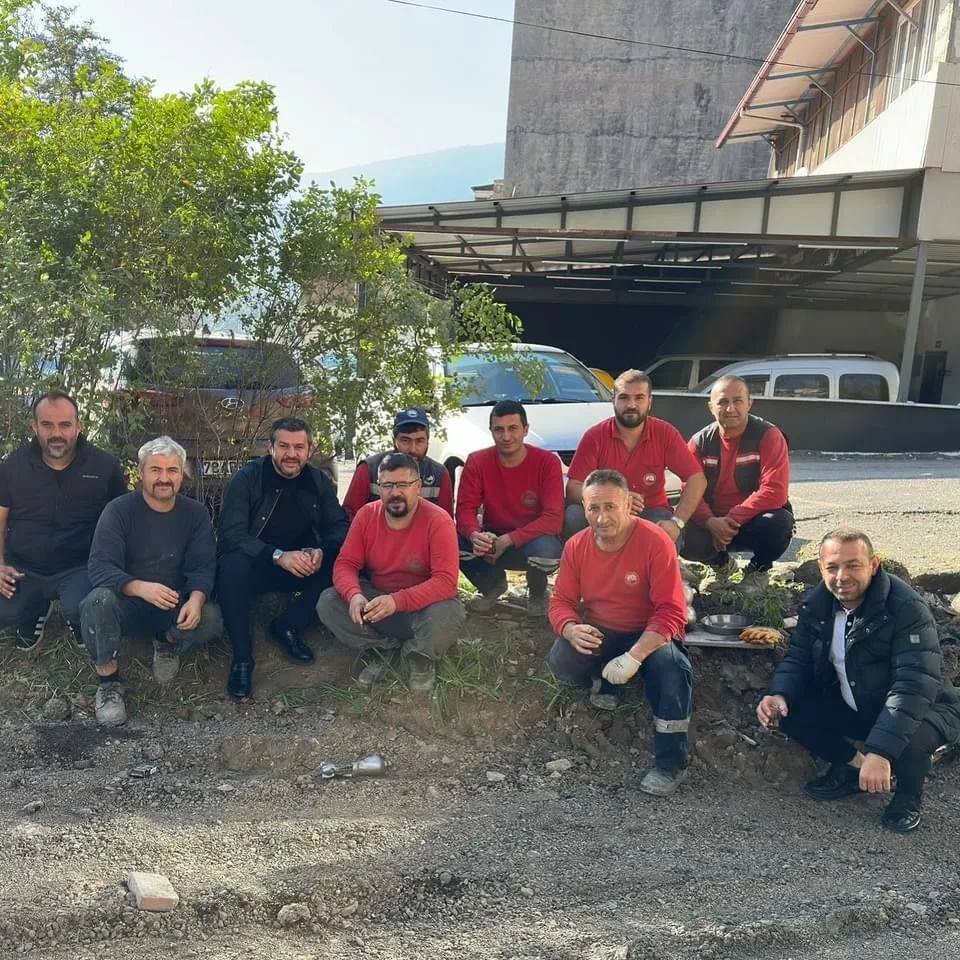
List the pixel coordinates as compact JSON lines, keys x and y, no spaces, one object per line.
{"x":485,"y":379}
{"x":218,"y":366}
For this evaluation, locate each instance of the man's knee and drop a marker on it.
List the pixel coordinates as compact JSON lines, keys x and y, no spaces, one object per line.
{"x":210,"y":626}
{"x":234,"y":572}
{"x":436,"y":628}
{"x":574,"y":520}
{"x":99,"y":601}
{"x":671,"y":668}
{"x":568,"y":666}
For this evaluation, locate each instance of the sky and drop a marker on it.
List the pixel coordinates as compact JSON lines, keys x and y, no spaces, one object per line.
{"x":355,"y":80}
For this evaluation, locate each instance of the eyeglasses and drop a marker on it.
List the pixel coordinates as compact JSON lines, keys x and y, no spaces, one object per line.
{"x":390,"y":485}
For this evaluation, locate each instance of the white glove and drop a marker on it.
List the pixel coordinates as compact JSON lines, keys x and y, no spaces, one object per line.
{"x":620,"y":669}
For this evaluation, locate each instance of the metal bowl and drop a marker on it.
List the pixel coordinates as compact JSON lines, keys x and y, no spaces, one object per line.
{"x":725,"y":624}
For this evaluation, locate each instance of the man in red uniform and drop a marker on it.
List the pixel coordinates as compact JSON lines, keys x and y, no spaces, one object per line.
{"x":407,"y":599}
{"x":747,"y":465}
{"x":640,"y":447}
{"x":411,"y":435}
{"x":618,"y":608}
{"x":519,"y":489}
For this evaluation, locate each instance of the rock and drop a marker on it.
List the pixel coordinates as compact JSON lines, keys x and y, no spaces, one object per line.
{"x":292,"y":914}
{"x":56,"y":709}
{"x":493,"y":776}
{"x":525,"y":892}
{"x":153,"y":892}
{"x":955,"y":604}
{"x":789,"y":623}
{"x":34,"y":806}
{"x":558,"y":766}
{"x":918,"y":908}
{"x":226,"y":788}
{"x":152,"y":751}
{"x":278,"y":707}
{"x":350,"y":909}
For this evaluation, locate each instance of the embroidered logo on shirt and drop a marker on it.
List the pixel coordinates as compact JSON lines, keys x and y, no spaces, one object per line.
{"x":529,"y":498}
{"x":631,"y":578}
{"x":415,"y":564}
{"x":649,"y":479}
{"x":914,"y":638}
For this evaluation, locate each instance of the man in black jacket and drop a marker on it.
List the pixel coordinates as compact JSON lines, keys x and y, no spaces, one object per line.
{"x":280,"y":530}
{"x":52,"y":491}
{"x":865,"y":664}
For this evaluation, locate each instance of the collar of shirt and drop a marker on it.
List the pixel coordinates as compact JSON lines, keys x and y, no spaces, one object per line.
{"x":615,"y":431}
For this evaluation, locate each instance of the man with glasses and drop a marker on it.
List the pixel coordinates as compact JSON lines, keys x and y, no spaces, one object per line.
{"x":405,"y":601}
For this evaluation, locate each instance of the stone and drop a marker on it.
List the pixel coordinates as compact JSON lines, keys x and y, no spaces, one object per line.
{"x":350,"y":909}
{"x":153,"y":892}
{"x":292,"y":914}
{"x":56,"y":709}
{"x":494,"y":776}
{"x":525,"y":892}
{"x":558,"y":766}
{"x":34,"y":806}
{"x":152,"y":751}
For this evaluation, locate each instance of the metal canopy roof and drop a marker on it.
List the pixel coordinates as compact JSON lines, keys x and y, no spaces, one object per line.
{"x":819,"y":34}
{"x":845,"y":240}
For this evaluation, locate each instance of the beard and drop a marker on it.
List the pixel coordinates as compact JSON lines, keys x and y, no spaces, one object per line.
{"x":56,"y":449}
{"x":397,"y":508}
{"x":630,"y":420}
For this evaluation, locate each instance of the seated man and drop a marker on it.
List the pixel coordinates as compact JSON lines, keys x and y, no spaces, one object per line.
{"x":152,"y":566}
{"x":280,"y":529}
{"x":411,"y":435}
{"x":406,"y":547}
{"x":864,"y":663}
{"x":618,"y":608}
{"x":640,"y":447}
{"x":52,"y":492}
{"x":747,"y":465}
{"x":519,"y":490}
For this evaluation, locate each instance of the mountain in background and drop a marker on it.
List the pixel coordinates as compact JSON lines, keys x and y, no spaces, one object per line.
{"x":437,"y":177}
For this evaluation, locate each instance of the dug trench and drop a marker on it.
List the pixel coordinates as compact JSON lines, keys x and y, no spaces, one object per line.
{"x":469,"y":846}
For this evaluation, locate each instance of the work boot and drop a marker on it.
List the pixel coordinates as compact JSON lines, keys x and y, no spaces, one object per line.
{"x":423,"y":674}
{"x":31,"y":627}
{"x":840,"y":780}
{"x":166,"y":660}
{"x":661,"y":783}
{"x":484,"y":602}
{"x":108,"y":704}
{"x":755,"y":580}
{"x":602,"y":695}
{"x":537,"y":606}
{"x":902,"y":813}
{"x":240,"y":682}
{"x":374,"y":672}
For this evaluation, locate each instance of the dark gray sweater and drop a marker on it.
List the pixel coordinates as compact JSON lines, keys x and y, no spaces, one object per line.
{"x":133,"y":542}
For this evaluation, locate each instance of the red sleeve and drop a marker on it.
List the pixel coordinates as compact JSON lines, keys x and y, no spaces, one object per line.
{"x":584,"y":458}
{"x":666,"y":588}
{"x":445,"y":497}
{"x":444,"y":554}
{"x":703,"y":512}
{"x":359,"y":491}
{"x":351,"y":558}
{"x":565,"y":600}
{"x":550,"y":521}
{"x":774,"y":479}
{"x":678,"y":457}
{"x":469,"y":498}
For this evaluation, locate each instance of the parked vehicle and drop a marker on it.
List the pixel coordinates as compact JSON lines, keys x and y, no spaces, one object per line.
{"x":683,"y":371}
{"x":815,"y":376}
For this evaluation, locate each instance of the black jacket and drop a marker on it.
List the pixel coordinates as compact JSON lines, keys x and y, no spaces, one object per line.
{"x":250,"y":497}
{"x":893,"y":663}
{"x":53,"y":513}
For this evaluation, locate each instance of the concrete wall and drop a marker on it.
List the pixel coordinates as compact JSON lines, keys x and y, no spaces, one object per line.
{"x":590,"y":114}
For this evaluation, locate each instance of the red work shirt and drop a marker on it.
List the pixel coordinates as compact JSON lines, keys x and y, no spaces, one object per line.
{"x":661,"y":447}
{"x":419,"y":565}
{"x":636,"y":588}
{"x":727,"y":500}
{"x":525,"y":501}
{"x":358,"y":493}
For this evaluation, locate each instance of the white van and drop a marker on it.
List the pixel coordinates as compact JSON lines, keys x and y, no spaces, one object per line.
{"x":815,"y":376}
{"x":684,"y":371}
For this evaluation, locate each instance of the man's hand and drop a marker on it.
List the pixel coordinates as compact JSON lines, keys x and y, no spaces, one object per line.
{"x":296,"y":562}
{"x":502,"y":543}
{"x":621,"y":669}
{"x":8,"y":580}
{"x":636,"y":503}
{"x":672,"y":530}
{"x":482,"y":542}
{"x":583,"y":637}
{"x":190,"y":612}
{"x":315,"y":556}
{"x":770,"y":709}
{"x":722,"y":530}
{"x":379,"y":608}
{"x":157,"y":594}
{"x":875,"y":774}
{"x":357,"y":604}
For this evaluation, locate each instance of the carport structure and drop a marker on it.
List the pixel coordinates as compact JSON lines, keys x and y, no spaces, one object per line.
{"x":851,"y":241}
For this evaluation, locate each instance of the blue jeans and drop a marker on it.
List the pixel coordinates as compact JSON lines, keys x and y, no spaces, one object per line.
{"x":667,"y":682}
{"x":485,"y":576}
{"x":35,"y":591}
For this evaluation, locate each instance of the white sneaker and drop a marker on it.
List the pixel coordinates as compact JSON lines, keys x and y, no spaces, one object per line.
{"x":109,"y":706}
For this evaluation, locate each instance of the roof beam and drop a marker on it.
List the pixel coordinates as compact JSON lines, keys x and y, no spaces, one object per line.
{"x":800,"y":74}
{"x":769,"y":104}
{"x":902,"y":14}
{"x":834,"y":24}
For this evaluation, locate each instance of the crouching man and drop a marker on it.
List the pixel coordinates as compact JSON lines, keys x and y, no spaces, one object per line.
{"x":152,"y":565}
{"x":406,"y":602}
{"x":618,"y":608}
{"x":864,"y":663}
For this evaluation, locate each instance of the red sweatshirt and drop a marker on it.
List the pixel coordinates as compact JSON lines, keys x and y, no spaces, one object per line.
{"x":636,"y":588}
{"x":661,"y":447}
{"x":358,"y":493}
{"x":418,"y":566}
{"x":728,"y":501}
{"x":525,"y":501}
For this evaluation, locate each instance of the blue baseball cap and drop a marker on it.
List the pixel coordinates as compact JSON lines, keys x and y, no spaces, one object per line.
{"x":415,"y":415}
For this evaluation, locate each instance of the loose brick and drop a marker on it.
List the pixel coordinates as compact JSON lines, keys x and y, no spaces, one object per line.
{"x":153,"y":891}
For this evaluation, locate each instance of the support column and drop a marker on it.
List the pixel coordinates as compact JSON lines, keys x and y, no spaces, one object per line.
{"x":913,"y":320}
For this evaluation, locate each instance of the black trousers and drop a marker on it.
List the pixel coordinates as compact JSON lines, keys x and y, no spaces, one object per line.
{"x":824,"y":724}
{"x":767,"y":536}
{"x":241,"y":580}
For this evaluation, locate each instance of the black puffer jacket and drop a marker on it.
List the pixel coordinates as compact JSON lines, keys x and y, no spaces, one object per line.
{"x":893,"y":663}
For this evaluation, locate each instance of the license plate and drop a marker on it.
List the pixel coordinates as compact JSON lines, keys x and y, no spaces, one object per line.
{"x":220,"y":468}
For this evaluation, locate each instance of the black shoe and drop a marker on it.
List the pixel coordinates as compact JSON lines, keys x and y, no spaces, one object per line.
{"x":903,"y":813}
{"x":841,"y":780}
{"x":30,"y":630}
{"x":240,"y":684}
{"x":292,"y":644}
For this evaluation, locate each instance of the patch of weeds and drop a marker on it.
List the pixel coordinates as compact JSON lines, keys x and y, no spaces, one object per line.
{"x":56,"y":667}
{"x":317,"y":693}
{"x":557,"y":694}
{"x":472,"y":668}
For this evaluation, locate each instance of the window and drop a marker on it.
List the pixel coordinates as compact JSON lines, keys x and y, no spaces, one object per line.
{"x":757,"y":384}
{"x":672,"y":375}
{"x":708,"y":366}
{"x":864,"y":386}
{"x":813,"y":386}
{"x":913,"y":46}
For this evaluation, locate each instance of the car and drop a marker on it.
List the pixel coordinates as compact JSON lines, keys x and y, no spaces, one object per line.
{"x":684,"y":371}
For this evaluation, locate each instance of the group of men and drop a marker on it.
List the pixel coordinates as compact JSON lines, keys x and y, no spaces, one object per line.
{"x":381,"y":570}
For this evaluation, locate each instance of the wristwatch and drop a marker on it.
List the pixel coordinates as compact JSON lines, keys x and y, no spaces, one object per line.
{"x":680,"y":523}
{"x":277,"y":554}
